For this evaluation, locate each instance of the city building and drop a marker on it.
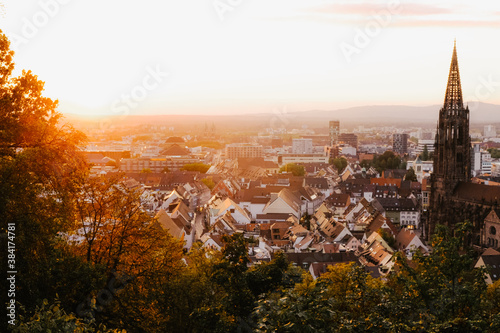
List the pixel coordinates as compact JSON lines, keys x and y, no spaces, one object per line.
{"x":347,"y":150}
{"x":424,"y":143}
{"x":302,"y":158}
{"x":490,"y":131}
{"x":422,"y":169}
{"x":302,"y":146}
{"x":173,"y":163}
{"x":334,"y":130}
{"x":400,"y":143}
{"x":236,"y":150}
{"x":350,"y":139}
{"x":495,"y":169}
{"x":480,"y":161}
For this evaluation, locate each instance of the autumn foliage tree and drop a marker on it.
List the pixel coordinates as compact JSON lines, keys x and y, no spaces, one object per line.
{"x":39,"y":157}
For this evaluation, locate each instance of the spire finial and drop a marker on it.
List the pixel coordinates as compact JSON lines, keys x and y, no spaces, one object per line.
{"x":453,"y":96}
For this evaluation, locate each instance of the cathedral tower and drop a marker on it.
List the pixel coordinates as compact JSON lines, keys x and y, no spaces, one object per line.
{"x":451,"y":150}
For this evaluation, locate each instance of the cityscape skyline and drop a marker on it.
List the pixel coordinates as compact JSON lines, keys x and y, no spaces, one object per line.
{"x":367,"y":218}
{"x":238,"y":57}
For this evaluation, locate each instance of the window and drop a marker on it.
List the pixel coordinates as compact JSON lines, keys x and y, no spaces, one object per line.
{"x":493,"y":230}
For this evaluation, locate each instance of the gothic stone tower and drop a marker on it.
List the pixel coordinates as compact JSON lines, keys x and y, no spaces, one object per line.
{"x":451,"y":150}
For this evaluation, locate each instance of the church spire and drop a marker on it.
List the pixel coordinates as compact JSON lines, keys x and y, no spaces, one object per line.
{"x":451,"y":149}
{"x":453,"y":97}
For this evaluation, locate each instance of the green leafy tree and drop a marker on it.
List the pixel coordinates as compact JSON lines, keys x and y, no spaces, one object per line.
{"x":443,"y":289}
{"x":344,"y":299}
{"x":340,"y":163}
{"x":424,"y":156}
{"x":295,"y":169}
{"x":495,"y":153}
{"x":51,"y":317}
{"x":410,"y":175}
{"x":387,"y":237}
{"x":366,"y":164}
{"x":388,"y":160}
{"x":200,"y":167}
{"x":209,"y":182}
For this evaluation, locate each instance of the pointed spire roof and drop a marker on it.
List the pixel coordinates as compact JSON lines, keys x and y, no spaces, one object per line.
{"x":453,"y":97}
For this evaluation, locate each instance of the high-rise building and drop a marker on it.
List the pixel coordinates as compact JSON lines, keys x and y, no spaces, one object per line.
{"x":480,"y":161}
{"x":350,"y":139}
{"x":400,"y":143}
{"x":334,"y":129}
{"x":302,"y":146}
{"x":451,"y":148}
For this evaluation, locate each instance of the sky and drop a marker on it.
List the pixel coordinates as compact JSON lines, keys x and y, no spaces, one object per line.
{"x":252,"y":56}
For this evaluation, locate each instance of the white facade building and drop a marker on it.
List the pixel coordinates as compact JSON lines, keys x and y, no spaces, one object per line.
{"x":480,"y":161}
{"x":302,"y":146}
{"x":422,"y":144}
{"x":490,"y":131}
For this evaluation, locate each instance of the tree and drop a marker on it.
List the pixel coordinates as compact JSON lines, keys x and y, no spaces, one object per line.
{"x":209,"y":182}
{"x":111,"y":227}
{"x":340,"y":163}
{"x":443,"y":289}
{"x":51,"y":317}
{"x":388,"y":160}
{"x":495,"y":153}
{"x":366,"y":164}
{"x":142,"y":138}
{"x":295,"y":169}
{"x":200,"y":167}
{"x":305,"y":221}
{"x":208,"y":144}
{"x":344,"y":299}
{"x":39,"y":157}
{"x":387,"y":237}
{"x":410,"y":175}
{"x":424,"y":156}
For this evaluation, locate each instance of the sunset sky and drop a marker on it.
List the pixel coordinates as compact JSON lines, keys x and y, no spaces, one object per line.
{"x":246,"y":56}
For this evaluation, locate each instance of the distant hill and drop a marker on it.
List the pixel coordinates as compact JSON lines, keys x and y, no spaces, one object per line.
{"x":481,"y":113}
